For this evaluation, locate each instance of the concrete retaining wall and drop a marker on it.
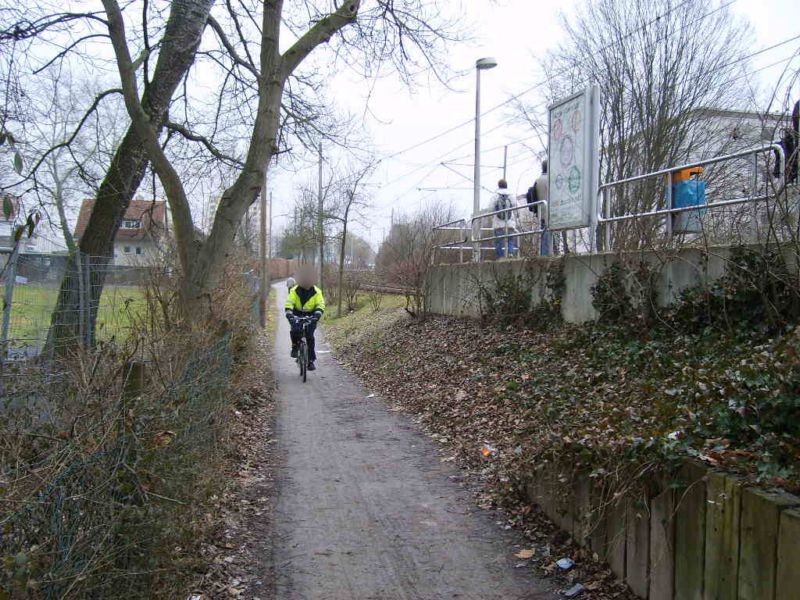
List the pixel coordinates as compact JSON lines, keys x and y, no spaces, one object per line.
{"x":703,"y":535}
{"x":452,"y":289}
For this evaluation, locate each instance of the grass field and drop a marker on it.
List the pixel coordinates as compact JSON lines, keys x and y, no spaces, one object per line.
{"x":33,"y":304}
{"x":363,"y":322}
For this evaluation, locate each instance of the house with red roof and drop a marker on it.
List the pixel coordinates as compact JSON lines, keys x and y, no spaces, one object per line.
{"x":141,"y":232}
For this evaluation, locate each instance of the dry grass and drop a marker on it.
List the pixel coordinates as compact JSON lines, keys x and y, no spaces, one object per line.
{"x":106,"y":478}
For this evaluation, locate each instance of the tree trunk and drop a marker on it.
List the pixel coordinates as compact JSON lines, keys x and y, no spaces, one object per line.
{"x":203,"y":262}
{"x":182,"y":36}
{"x":341,"y":261}
{"x":212,"y":254}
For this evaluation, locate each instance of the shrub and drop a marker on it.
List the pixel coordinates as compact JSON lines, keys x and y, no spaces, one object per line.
{"x":108,"y":458}
{"x":509,"y":298}
{"x":757,"y":291}
{"x":610,"y":296}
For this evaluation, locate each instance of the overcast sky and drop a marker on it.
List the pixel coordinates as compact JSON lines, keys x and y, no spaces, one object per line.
{"x":516,"y":33}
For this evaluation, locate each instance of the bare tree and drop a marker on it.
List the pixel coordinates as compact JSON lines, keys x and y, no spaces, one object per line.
{"x":657,"y":64}
{"x":176,"y":52}
{"x":383,"y":24}
{"x":404,"y":257}
{"x":67,"y":173}
{"x":351,"y":198}
{"x":269,"y":98}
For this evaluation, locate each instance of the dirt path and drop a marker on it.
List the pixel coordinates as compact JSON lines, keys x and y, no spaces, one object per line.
{"x":366,"y":510}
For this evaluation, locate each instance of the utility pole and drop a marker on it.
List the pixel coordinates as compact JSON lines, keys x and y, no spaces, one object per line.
{"x":321,"y":219}
{"x":262,"y":309}
{"x":505,"y":160}
{"x":482,"y":64}
{"x":269,"y":230}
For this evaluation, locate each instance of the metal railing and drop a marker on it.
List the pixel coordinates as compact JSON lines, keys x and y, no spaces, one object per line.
{"x":603,"y":205}
{"x":604,"y":216}
{"x":457,"y":244}
{"x":468,"y":242}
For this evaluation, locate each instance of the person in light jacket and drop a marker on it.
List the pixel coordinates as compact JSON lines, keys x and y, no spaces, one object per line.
{"x":504,"y":221}
{"x":541,"y":192}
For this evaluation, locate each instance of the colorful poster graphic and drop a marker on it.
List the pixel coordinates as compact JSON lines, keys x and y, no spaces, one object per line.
{"x":570,"y":134}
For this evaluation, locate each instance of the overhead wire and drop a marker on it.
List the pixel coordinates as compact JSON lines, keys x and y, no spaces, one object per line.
{"x":543,"y":82}
{"x":503,"y":123}
{"x":440,"y":160}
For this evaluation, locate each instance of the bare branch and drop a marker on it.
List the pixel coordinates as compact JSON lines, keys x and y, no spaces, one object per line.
{"x":81,"y":123}
{"x":26,"y":29}
{"x":208,"y":144}
{"x":68,"y":49}
{"x":320,"y":33}
{"x":176,"y":195}
{"x":237,"y":59}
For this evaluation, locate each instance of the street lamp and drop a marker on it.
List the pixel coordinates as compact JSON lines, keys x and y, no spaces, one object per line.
{"x":482,"y":64}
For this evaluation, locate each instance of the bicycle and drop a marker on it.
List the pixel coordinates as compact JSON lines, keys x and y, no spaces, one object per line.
{"x":302,"y":349}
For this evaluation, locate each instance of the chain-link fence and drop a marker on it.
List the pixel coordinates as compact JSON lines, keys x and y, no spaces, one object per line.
{"x":108,"y":454}
{"x":42,"y":290}
{"x":114,"y":493}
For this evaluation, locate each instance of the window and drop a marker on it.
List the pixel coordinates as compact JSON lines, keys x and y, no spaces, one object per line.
{"x":138,"y":249}
{"x":131,"y":223}
{"x":127,"y":249}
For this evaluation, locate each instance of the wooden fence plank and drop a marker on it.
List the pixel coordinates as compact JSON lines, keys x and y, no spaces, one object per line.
{"x":787,"y":582}
{"x":615,"y":546}
{"x":758,"y":547}
{"x":690,"y":529}
{"x":598,"y":522}
{"x":637,"y":547}
{"x":724,"y":494}
{"x":582,"y":513}
{"x":662,"y":546}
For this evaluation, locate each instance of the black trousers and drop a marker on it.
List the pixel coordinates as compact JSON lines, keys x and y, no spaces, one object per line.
{"x":296,"y":334}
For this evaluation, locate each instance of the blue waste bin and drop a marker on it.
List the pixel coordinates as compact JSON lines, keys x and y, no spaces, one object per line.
{"x":691,"y":192}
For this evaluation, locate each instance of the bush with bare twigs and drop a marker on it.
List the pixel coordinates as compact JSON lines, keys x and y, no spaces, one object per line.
{"x":108,"y":459}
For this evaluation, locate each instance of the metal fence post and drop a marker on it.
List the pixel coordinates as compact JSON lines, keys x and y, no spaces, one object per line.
{"x":670,"y":206}
{"x":508,"y":239}
{"x":607,"y":212}
{"x":754,"y":187}
{"x":87,"y":286}
{"x":8,"y":296}
{"x":81,"y":297}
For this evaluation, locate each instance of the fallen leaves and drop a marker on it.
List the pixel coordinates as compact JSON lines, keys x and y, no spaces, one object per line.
{"x":163,"y":438}
{"x":599,"y":399}
{"x":234,"y":557}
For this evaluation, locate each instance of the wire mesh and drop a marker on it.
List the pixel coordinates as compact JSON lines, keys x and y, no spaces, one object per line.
{"x":40,"y":290}
{"x":93,"y":514}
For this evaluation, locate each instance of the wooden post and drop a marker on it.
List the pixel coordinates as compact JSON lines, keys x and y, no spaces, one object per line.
{"x":787,"y":582}
{"x":662,"y":545}
{"x":133,"y":379}
{"x":637,"y":547}
{"x":690,"y":533}
{"x":724,"y":495}
{"x":263,"y":289}
{"x":758,"y":558}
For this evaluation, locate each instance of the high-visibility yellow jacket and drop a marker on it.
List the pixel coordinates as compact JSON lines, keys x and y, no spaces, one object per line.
{"x":303,"y":301}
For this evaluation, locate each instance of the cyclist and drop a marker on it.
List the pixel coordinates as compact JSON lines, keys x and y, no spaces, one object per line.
{"x":304,"y":299}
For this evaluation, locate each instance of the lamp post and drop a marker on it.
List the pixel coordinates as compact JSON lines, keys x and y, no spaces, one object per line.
{"x":482,"y":64}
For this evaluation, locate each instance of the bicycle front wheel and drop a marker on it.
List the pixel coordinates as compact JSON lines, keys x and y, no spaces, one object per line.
{"x":302,"y":359}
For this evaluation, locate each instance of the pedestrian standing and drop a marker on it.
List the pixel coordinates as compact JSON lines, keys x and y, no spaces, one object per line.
{"x":504,"y":221}
{"x":540,"y":192}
